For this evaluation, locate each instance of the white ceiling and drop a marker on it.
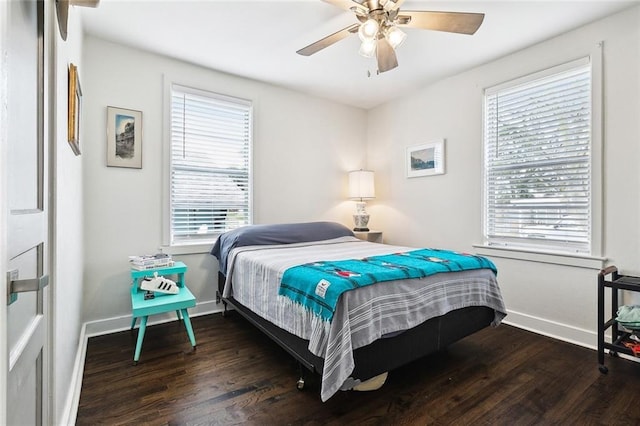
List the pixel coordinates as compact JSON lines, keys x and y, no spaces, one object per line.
{"x":258,"y":39}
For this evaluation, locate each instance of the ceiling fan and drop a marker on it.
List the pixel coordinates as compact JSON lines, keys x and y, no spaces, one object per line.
{"x":62,"y":8}
{"x":379,"y":27}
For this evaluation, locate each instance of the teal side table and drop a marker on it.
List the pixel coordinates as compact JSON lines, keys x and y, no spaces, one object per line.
{"x":161,"y":303}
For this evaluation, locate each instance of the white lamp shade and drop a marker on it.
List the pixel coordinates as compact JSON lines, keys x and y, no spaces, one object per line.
{"x":368,"y":30}
{"x":361,"y":184}
{"x":368,"y":48}
{"x":395,"y":36}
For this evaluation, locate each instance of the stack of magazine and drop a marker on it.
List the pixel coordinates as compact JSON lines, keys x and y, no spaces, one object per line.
{"x":150,"y":261}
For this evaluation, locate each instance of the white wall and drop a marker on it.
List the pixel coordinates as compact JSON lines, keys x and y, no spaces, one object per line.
{"x":446,"y":210}
{"x":67,"y":244}
{"x":4,"y":140}
{"x":303,"y":147}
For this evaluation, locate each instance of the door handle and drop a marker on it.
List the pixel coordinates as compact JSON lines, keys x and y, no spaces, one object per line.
{"x":15,"y":285}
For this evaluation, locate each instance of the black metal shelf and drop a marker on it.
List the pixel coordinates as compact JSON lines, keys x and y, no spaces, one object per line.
{"x":616,"y":283}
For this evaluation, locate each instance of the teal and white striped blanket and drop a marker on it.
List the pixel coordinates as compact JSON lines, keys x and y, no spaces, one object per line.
{"x":317,"y":286}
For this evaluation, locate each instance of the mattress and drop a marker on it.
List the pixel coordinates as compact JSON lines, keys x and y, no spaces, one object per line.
{"x":362,"y":315}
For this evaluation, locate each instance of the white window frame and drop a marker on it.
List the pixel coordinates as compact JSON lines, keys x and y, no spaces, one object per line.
{"x":540,"y":253}
{"x":185,"y":247}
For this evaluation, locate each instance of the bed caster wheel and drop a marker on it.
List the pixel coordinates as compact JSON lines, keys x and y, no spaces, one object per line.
{"x":300,"y":384}
{"x":603,"y":369}
{"x":614,"y":354}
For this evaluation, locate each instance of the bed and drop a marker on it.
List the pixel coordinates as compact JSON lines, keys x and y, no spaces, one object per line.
{"x":375,"y":324}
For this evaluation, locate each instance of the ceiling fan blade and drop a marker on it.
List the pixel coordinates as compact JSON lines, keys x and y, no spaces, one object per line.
{"x":386,"y":56}
{"x":348,"y":5}
{"x":328,"y":40}
{"x":85,"y":3}
{"x":452,"y":22}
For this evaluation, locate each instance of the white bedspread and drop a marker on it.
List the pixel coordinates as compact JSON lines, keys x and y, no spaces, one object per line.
{"x":362,"y":315}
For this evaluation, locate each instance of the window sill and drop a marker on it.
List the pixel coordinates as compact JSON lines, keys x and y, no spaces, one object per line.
{"x":187,"y":249}
{"x":565,"y":259}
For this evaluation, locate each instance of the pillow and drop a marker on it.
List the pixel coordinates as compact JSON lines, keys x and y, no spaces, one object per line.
{"x":283,"y":233}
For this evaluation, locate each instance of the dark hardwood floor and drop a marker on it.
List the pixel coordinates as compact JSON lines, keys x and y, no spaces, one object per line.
{"x":500,"y":375}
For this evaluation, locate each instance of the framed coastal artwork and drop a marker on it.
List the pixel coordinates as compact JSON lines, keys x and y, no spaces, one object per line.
{"x":426,"y":159}
{"x":124,"y":138}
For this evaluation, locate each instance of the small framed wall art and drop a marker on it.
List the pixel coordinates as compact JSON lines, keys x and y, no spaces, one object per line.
{"x":124,"y":138}
{"x":426,"y":160}
{"x":74,"y":108}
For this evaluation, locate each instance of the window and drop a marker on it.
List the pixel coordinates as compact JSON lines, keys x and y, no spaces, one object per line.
{"x":210,"y":170}
{"x":538,"y":160}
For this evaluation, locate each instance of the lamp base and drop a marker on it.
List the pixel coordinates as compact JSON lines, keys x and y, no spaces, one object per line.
{"x":361,"y":218}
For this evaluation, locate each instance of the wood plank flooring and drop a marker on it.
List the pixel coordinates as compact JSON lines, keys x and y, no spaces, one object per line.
{"x":499,"y":376}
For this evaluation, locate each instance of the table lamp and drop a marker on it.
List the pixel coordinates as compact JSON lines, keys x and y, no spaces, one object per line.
{"x":361,"y":188}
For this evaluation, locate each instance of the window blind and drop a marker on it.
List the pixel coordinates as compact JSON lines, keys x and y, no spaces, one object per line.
{"x":210,"y":179}
{"x":537,"y":162}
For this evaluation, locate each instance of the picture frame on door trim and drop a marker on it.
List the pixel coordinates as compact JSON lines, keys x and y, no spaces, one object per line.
{"x":124,"y":138}
{"x":75,"y":107}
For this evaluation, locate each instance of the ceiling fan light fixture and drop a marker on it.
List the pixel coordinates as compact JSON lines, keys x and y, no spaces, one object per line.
{"x":368,"y":30}
{"x":395,"y":36}
{"x":377,"y":27}
{"x":368,"y":48}
{"x":387,"y":5}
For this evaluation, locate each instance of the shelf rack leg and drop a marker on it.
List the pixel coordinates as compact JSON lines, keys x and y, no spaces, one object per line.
{"x":601,"y":323}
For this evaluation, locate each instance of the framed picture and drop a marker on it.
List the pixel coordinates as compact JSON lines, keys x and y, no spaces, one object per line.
{"x":426,"y":160}
{"x":75,"y":106}
{"x":124,"y":138}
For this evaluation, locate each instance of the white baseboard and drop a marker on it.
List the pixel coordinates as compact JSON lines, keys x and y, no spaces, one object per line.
{"x":70,"y":410}
{"x":108,"y":326}
{"x":556,"y":330}
{"x":115,"y":324}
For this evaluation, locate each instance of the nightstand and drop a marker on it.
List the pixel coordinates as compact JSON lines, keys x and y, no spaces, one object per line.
{"x":371,"y":236}
{"x":160,"y":303}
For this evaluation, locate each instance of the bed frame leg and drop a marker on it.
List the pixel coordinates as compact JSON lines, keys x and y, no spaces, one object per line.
{"x":219,"y":299}
{"x":300,"y":382}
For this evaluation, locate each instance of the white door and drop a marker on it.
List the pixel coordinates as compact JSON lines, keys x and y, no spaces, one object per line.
{"x":24,"y":200}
